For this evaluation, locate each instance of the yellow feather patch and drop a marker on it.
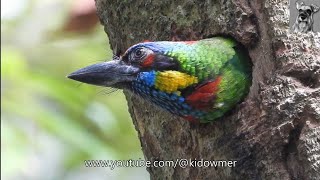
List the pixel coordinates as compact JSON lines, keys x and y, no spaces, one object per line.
{"x":171,"y":81}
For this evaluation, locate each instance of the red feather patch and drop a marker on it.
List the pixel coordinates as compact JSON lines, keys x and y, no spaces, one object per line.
{"x":204,"y":95}
{"x":190,"y":42}
{"x":192,"y":119}
{"x":148,"y":61}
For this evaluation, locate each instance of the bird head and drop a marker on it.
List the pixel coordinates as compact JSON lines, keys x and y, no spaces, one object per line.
{"x":197,"y":80}
{"x":119,"y":72}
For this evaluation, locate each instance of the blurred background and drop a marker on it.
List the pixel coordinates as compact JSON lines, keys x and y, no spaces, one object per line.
{"x":50,"y":124}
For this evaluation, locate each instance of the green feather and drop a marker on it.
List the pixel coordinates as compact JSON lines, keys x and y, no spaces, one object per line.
{"x":209,"y":58}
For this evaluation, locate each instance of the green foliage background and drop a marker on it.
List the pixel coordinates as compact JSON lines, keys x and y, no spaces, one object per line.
{"x":50,"y":124}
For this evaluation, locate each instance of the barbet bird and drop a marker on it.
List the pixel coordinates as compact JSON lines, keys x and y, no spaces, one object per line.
{"x":197,"y":80}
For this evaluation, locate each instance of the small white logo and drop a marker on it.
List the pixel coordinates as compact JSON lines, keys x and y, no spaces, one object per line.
{"x":304,"y":15}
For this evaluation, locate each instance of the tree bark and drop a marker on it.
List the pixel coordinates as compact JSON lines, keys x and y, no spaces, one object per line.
{"x":274,"y":133}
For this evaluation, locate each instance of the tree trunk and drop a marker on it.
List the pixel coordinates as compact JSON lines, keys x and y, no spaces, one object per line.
{"x":274,"y":133}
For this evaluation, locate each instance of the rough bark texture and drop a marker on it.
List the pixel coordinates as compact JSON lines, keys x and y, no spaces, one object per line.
{"x":274,"y":133}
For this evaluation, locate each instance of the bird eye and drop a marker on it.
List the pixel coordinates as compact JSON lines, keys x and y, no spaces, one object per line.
{"x":138,"y":54}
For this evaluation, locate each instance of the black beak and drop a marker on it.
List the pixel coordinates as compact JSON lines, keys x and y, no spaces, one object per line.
{"x":111,"y":74}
